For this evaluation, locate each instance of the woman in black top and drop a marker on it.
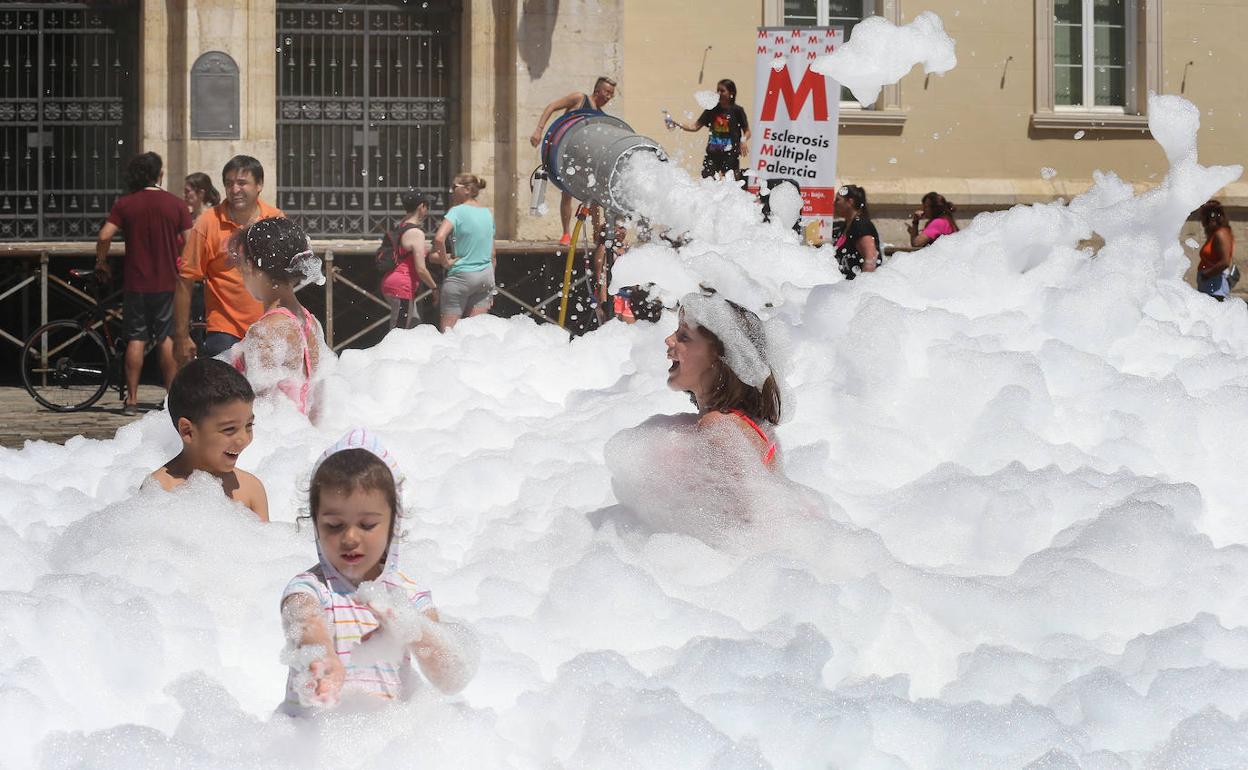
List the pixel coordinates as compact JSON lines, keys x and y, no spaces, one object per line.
{"x":857,"y":242}
{"x":729,"y":139}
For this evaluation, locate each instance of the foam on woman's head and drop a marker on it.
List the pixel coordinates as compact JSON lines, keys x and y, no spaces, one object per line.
{"x":740,"y":331}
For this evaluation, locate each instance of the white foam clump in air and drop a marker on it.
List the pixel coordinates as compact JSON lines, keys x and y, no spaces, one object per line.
{"x":879,"y":53}
{"x":1006,"y":531}
{"x":786,"y":204}
{"x":308,"y":266}
{"x":706,"y":99}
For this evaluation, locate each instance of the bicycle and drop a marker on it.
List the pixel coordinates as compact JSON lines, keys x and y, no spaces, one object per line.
{"x":68,"y":364}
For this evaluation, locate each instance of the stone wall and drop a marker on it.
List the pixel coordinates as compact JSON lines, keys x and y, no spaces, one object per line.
{"x":967,"y":134}
{"x":175,"y":34}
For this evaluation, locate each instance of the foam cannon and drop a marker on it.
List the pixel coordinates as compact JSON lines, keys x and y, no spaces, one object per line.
{"x":583,"y":154}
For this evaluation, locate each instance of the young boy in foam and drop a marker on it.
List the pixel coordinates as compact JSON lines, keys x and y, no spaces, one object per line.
{"x":210,"y":405}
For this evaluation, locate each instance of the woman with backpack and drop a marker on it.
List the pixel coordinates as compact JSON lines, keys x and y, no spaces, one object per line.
{"x":402,"y":256}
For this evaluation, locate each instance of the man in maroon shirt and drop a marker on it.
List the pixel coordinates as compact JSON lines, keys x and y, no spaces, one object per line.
{"x":153,"y":222}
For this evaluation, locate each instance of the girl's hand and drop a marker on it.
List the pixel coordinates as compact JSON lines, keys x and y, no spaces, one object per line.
{"x":327,"y":674}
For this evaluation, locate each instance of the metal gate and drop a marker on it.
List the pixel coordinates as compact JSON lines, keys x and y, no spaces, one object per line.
{"x":68,"y":117}
{"x":365,"y":97}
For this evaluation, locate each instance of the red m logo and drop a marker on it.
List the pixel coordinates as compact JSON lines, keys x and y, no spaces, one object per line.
{"x":780,"y":84}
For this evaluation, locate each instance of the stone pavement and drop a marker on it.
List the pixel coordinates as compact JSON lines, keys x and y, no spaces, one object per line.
{"x":22,"y":419}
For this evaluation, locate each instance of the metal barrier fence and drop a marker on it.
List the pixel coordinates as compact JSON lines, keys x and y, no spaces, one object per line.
{"x":350,"y":310}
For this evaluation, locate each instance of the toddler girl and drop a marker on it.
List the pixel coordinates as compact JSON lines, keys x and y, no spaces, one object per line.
{"x":353,"y":622}
{"x":283,"y":348}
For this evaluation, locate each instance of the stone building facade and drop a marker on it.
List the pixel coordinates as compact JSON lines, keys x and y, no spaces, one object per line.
{"x":349,"y":102}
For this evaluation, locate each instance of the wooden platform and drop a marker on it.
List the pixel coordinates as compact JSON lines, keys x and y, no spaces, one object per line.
{"x":21,"y":419}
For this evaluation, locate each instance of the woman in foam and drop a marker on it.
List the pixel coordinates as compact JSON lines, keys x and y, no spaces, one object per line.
{"x":705,"y":474}
{"x":719,"y":357}
{"x":354,"y":621}
{"x":281,"y":351}
{"x":857,"y":242}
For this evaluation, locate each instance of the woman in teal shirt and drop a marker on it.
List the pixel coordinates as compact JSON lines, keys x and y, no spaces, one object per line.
{"x":469,"y":286}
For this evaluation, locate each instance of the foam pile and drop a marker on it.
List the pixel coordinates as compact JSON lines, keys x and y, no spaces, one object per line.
{"x":1008,"y":534}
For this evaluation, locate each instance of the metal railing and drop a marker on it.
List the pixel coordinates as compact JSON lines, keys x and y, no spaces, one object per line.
{"x":42,"y":278}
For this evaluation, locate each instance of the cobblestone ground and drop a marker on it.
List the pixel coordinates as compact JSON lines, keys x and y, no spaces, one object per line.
{"x":21,"y":419}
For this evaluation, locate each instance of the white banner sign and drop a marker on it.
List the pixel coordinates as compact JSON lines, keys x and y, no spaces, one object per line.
{"x":795,"y":114}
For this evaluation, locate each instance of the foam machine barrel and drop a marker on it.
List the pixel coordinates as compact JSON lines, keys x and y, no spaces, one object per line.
{"x":584,"y":151}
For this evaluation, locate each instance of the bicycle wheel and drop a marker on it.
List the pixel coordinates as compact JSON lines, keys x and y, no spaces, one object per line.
{"x":65,"y":367}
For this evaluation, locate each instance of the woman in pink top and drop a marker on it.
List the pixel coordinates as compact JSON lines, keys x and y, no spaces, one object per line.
{"x":402,"y":284}
{"x":282,"y":350}
{"x":940,"y":221}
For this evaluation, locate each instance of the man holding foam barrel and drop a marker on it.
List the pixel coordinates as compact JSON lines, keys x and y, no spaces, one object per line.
{"x":604,"y":90}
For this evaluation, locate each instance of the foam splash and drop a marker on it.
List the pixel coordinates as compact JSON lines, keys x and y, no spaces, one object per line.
{"x":1009,"y":531}
{"x":879,"y":53}
{"x":706,"y":99}
{"x":786,"y":204}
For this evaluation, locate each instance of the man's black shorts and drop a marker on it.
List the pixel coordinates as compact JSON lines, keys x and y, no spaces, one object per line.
{"x":721,"y":163}
{"x":147,"y":315}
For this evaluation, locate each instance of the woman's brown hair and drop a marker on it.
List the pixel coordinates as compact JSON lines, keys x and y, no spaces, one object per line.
{"x":474,"y":183}
{"x":730,"y":392}
{"x":202,"y":184}
{"x":941,"y":208}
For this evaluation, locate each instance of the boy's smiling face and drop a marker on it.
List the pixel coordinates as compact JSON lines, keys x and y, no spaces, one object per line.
{"x":214,"y":442}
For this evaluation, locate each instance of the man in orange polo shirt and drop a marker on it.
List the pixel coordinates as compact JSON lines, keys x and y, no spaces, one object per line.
{"x":230,"y":308}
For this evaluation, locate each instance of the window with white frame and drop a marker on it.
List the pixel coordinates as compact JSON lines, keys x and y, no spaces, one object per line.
{"x":1091,"y":54}
{"x":825,"y":13}
{"x":828,"y":13}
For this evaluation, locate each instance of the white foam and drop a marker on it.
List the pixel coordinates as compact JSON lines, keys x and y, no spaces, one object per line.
{"x":879,"y":53}
{"x":1008,"y":533}
{"x":786,"y":204}
{"x":706,"y":99}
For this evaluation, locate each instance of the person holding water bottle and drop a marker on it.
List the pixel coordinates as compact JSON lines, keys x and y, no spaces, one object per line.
{"x":729,"y":133}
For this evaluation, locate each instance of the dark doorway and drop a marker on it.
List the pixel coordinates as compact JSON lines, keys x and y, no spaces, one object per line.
{"x":366,"y":99}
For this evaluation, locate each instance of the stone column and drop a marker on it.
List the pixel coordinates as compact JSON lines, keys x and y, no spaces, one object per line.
{"x":175,"y":34}
{"x":478,"y":102}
